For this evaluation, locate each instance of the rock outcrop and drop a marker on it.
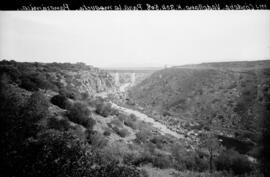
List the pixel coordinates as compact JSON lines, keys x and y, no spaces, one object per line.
{"x":77,"y":77}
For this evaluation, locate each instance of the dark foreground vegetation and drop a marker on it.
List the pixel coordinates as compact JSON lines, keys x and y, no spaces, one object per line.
{"x":48,"y":129}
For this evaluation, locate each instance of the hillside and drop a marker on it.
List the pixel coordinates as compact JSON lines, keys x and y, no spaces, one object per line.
{"x":54,"y":122}
{"x":228,"y":95}
{"x":63,"y":77}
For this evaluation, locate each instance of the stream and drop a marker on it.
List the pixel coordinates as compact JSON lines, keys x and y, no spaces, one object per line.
{"x":141,"y":116}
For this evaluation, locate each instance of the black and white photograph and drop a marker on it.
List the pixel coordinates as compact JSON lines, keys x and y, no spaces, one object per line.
{"x":135,"y":93}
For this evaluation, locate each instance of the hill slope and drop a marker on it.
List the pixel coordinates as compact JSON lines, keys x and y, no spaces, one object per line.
{"x":228,"y":95}
{"x":72,"y":78}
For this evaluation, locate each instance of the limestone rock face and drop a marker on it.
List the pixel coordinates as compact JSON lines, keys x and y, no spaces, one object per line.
{"x":79,"y":77}
{"x":90,"y":81}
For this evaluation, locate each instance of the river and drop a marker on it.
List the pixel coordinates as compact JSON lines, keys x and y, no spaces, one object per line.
{"x":141,"y":116}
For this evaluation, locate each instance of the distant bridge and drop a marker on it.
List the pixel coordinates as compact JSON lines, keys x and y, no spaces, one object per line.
{"x":134,"y":74}
{"x":116,"y":77}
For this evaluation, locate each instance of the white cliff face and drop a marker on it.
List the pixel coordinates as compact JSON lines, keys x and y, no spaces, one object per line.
{"x":90,"y":81}
{"x":95,"y":82}
{"x":116,"y":78}
{"x":133,"y":78}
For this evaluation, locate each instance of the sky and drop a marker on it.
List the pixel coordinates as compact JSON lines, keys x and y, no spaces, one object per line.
{"x":134,"y":38}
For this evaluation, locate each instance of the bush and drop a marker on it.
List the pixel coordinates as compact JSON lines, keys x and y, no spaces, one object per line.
{"x":159,"y":141}
{"x":131,"y":124}
{"x":114,"y":169}
{"x":143,"y":136}
{"x":80,"y":114}
{"x":107,"y":133}
{"x":20,"y":118}
{"x":121,"y":132}
{"x":117,"y":123}
{"x":158,"y":160}
{"x":11,"y":71}
{"x":35,"y":110}
{"x":97,"y":140}
{"x":133,"y":117}
{"x":28,"y":84}
{"x":85,"y":95}
{"x":58,"y":124}
{"x":35,"y":81}
{"x":53,"y":153}
{"x":231,"y":160}
{"x":69,"y":93}
{"x":162,"y":161}
{"x":188,"y":160}
{"x":122,"y":117}
{"x":143,"y":158}
{"x":105,"y":109}
{"x":61,"y":101}
{"x":129,"y":158}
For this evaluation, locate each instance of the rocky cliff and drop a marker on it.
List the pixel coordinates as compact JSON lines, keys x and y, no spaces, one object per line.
{"x":77,"y":77}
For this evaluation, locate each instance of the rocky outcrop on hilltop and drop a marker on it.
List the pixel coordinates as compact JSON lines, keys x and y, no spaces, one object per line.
{"x":86,"y":81}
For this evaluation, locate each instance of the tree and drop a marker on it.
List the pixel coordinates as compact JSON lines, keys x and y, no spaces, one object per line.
{"x":232,"y":160}
{"x":19,"y":116}
{"x":11,"y":71}
{"x":80,"y":114}
{"x":61,"y":101}
{"x":36,"y":109}
{"x":265,"y":143}
{"x":210,"y":143}
{"x":54,"y":153}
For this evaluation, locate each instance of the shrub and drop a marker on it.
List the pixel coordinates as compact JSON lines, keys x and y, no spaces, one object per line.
{"x":131,"y":124}
{"x":133,"y":117}
{"x":117,"y":123}
{"x":69,"y":92}
{"x":58,"y":124}
{"x":80,"y":114}
{"x":159,"y":141}
{"x":158,"y":160}
{"x":143,"y":136}
{"x":35,"y":81}
{"x":162,"y":161}
{"x":84,"y":95}
{"x":105,"y":109}
{"x":97,"y":140}
{"x":232,"y":160}
{"x":102,"y":109}
{"x":107,"y":133}
{"x":54,"y":153}
{"x":122,"y":117}
{"x":20,"y":117}
{"x":143,"y":158}
{"x":114,"y":169}
{"x":121,"y":132}
{"x":188,"y":160}
{"x":35,"y":110}
{"x":61,"y":101}
{"x":28,"y":84}
{"x":129,"y":158}
{"x":11,"y":71}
